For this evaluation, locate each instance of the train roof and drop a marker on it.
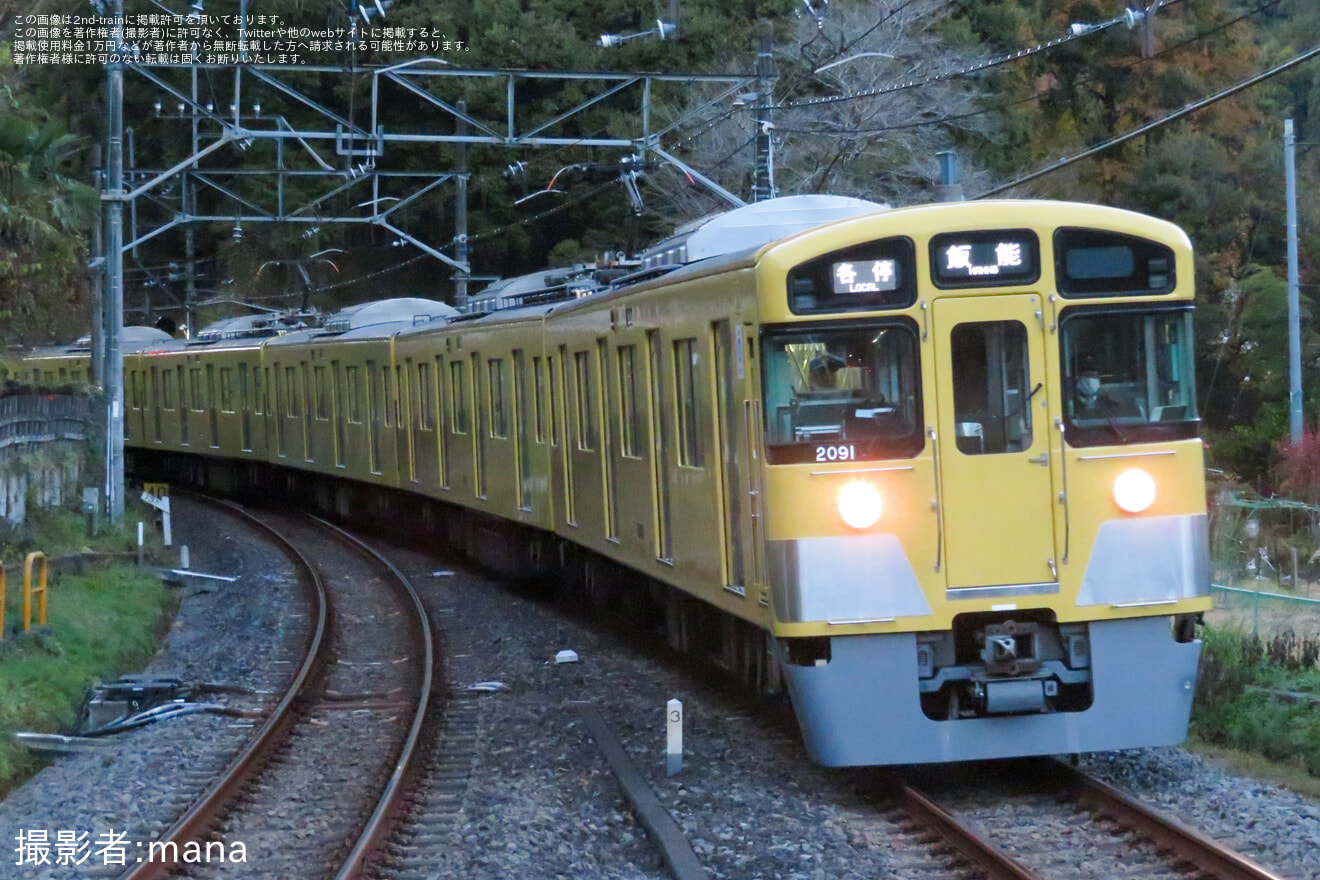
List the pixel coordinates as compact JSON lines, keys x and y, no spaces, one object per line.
{"x":131,"y":339}
{"x":374,"y":320}
{"x":409,"y":309}
{"x":751,"y":226}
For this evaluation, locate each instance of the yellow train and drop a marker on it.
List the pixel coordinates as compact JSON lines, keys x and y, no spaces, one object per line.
{"x":934,"y":469}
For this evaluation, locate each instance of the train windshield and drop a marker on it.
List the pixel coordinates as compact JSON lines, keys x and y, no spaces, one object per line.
{"x":841,"y":394}
{"x":1128,"y":377}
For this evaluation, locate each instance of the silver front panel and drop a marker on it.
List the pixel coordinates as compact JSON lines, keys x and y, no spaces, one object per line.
{"x":1148,"y":560}
{"x":842,"y":579}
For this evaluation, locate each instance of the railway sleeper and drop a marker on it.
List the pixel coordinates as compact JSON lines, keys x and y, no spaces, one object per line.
{"x":691,"y":627}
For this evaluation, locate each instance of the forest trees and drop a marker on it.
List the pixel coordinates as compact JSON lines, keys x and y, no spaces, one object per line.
{"x":864,"y":98}
{"x":44,"y":213}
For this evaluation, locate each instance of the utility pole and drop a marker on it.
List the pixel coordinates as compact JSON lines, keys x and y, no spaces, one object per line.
{"x":763,"y":180}
{"x":461,"y":216}
{"x":114,"y":313}
{"x":96,"y":366}
{"x":189,"y":232}
{"x":1294,"y":297}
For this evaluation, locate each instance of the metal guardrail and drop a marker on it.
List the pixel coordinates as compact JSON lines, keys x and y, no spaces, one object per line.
{"x":42,"y":590}
{"x":1261,"y":594}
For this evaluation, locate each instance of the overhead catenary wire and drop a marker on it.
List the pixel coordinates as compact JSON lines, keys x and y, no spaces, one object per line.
{"x":978,"y":67}
{"x":1035,"y":96}
{"x":1150,"y":126}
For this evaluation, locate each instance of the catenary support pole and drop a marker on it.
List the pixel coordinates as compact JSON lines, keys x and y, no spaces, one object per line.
{"x":114,"y":355}
{"x":1294,"y":298}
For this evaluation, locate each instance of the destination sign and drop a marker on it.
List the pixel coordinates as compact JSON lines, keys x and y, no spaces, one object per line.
{"x":991,"y":258}
{"x":873,"y":276}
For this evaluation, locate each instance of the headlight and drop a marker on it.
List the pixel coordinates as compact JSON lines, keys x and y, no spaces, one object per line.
{"x":1134,"y":490}
{"x":860,"y":505}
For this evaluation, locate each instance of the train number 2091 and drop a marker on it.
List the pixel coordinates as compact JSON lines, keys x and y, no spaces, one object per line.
{"x":846,"y":452}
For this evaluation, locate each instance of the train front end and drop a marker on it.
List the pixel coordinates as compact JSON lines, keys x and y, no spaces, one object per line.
{"x":983,"y":485}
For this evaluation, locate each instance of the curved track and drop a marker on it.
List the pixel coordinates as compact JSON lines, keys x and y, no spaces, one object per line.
{"x":315,"y":790}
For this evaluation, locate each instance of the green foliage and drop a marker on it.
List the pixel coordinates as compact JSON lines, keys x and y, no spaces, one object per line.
{"x":1260,"y":697}
{"x":103,"y":623}
{"x":44,"y":213}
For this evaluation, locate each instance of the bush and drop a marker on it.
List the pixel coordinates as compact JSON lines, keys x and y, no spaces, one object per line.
{"x":1260,"y":696}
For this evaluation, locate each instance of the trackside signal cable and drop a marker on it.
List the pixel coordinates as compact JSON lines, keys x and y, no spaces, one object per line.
{"x":1150,"y":126}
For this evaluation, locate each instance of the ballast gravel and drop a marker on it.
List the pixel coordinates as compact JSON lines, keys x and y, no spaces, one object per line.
{"x":539,"y":800}
{"x":131,"y":787}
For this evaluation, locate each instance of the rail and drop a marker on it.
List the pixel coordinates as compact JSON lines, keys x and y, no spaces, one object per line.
{"x":391,"y":798}
{"x":1209,"y":856}
{"x":993,"y":862}
{"x":194,"y":823}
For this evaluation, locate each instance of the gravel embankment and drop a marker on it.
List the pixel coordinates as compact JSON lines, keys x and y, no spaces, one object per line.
{"x":136,"y":784}
{"x":539,"y":801}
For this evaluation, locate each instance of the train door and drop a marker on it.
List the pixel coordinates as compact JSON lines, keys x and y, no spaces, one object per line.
{"x":521,"y":417}
{"x":608,"y":452}
{"x":993,"y":447}
{"x":212,"y":405}
{"x":183,"y":408}
{"x":156,"y":408}
{"x":373,"y":419}
{"x":751,"y":446}
{"x":664,"y":547}
{"x":245,"y":406}
{"x":729,"y":415}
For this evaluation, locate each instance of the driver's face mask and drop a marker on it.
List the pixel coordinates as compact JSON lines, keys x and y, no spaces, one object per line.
{"x":1089,"y":386}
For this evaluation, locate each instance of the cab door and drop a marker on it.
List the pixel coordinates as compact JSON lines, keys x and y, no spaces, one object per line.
{"x":994,"y":459}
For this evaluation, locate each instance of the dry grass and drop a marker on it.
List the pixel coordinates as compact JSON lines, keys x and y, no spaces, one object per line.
{"x":1291,"y":774}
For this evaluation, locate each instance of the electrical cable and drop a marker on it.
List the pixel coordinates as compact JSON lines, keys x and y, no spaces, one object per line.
{"x":973,"y":68}
{"x":1185,"y":110}
{"x":1036,"y":96}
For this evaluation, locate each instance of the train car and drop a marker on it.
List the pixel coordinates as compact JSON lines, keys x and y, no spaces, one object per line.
{"x":335,"y":399}
{"x":52,"y":365}
{"x":935,"y":468}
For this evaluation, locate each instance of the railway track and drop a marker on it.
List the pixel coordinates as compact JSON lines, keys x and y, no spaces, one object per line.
{"x":1052,"y":821}
{"x":317,"y":788}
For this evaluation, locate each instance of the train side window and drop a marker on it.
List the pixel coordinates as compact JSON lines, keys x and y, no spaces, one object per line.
{"x":555,"y":376}
{"x":195,"y":392}
{"x":387,"y":382}
{"x":426,"y":398}
{"x":538,"y":404}
{"x":499,"y":398}
{"x":458,"y":415}
{"x":991,"y":387}
{"x":402,"y":390}
{"x":290,"y":392}
{"x":322,"y":394}
{"x":227,"y":389}
{"x":167,"y":389}
{"x":686,"y":362}
{"x":586,"y":401}
{"x":354,"y":395}
{"x":629,"y":394}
